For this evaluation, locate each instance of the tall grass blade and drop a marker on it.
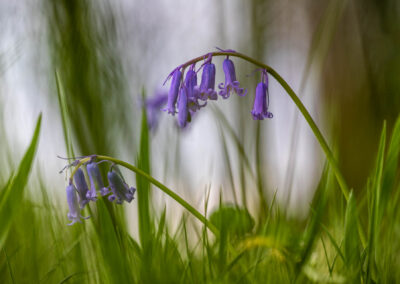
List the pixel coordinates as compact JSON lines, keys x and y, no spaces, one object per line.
{"x":351,"y":245}
{"x":391,"y":164}
{"x":375,"y":207}
{"x":13,"y":194}
{"x":143,"y":185}
{"x":64,"y":115}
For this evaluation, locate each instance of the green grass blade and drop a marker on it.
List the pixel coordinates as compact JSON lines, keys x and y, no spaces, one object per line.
{"x":391,"y":163}
{"x":143,"y":185}
{"x":11,"y":200}
{"x":351,"y":239}
{"x":312,"y":231}
{"x":3,"y":190}
{"x":64,"y":115}
{"x":373,"y":231}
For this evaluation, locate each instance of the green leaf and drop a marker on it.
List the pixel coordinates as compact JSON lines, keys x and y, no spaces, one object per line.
{"x":13,"y":193}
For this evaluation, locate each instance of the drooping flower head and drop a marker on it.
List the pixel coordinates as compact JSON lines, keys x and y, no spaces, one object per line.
{"x":74,"y":214}
{"x":231,"y":84}
{"x":96,"y":181}
{"x":82,"y":187}
{"x":206,"y":90}
{"x":173,"y":91}
{"x":261,"y":100}
{"x":120,"y":190}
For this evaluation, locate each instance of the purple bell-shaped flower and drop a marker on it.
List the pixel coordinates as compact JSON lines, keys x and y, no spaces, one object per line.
{"x":173,"y":91}
{"x":261,"y":100}
{"x":231,"y":84}
{"x":96,"y":181}
{"x":74,"y":214}
{"x":82,"y":187}
{"x":206,"y":90}
{"x":120,"y":190}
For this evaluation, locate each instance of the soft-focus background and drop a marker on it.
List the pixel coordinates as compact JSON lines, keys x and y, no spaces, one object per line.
{"x":341,"y":57}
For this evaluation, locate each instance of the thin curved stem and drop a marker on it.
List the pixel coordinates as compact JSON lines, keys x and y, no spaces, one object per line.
{"x":166,"y":190}
{"x":321,"y":140}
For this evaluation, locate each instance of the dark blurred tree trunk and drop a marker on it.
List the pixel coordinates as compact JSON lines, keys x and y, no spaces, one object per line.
{"x":361,"y":84}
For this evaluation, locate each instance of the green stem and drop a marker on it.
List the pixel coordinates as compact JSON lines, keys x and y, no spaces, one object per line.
{"x":298,"y":103}
{"x":166,"y":190}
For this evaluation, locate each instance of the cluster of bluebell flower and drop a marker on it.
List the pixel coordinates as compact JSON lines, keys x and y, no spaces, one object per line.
{"x":79,"y":194}
{"x":188,"y":97}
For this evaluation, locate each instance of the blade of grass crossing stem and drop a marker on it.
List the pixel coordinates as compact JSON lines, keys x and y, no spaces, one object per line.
{"x":375,"y":200}
{"x":351,"y":246}
{"x":333,"y":242}
{"x":64,"y":115}
{"x":13,"y":194}
{"x":143,"y":185}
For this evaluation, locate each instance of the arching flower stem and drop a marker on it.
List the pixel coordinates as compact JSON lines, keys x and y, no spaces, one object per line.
{"x":320,"y":138}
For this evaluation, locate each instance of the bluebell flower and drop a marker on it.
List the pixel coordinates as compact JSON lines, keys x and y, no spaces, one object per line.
{"x":192,"y":90}
{"x":183,"y":108}
{"x":96,"y":181}
{"x":206,"y":90}
{"x":120,"y":190}
{"x":74,"y":214}
{"x":261,"y":100}
{"x":82,"y":187}
{"x":153,"y":106}
{"x":231,"y":84}
{"x":173,"y":91}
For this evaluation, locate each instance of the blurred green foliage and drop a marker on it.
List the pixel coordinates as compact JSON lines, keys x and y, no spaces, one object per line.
{"x":269,"y":247}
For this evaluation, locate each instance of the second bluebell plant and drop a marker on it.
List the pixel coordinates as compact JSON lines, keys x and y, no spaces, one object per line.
{"x":79,"y":193}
